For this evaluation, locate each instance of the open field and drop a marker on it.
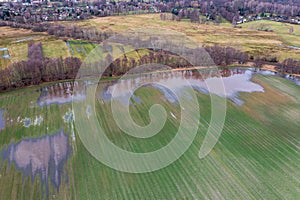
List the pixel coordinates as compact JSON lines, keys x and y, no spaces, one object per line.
{"x":251,"y":41}
{"x":257,"y":152}
{"x":248,"y":39}
{"x":16,"y":40}
{"x":281,"y":29}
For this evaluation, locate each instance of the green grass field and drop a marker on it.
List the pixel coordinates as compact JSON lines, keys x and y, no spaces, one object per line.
{"x":256,"y":157}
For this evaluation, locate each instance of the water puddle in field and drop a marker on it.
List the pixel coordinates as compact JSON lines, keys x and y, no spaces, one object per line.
{"x":26,"y":39}
{"x":44,"y":156}
{"x":27,"y":122}
{"x":68,"y":117}
{"x":172,"y":84}
{"x":291,"y":77}
{"x":61,"y":93}
{"x":123,"y":96}
{"x":2,"y":120}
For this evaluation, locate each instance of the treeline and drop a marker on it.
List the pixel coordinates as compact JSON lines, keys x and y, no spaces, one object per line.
{"x":122,"y":65}
{"x":37,"y":69}
{"x":290,"y":66}
{"x":224,"y":56}
{"x":35,"y":51}
{"x":75,"y":32}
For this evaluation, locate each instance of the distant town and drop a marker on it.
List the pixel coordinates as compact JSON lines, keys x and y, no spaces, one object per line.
{"x":30,"y":12}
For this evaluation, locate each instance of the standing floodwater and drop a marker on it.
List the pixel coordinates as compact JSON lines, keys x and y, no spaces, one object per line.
{"x":60,"y":93}
{"x":2,"y":120}
{"x":45,"y":156}
{"x":234,"y":81}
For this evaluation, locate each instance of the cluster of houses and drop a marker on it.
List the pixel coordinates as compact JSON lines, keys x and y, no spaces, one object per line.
{"x":242,"y":19}
{"x":37,"y":11}
{"x":34,"y":11}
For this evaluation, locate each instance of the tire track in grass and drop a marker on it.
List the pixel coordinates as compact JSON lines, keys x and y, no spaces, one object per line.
{"x":235,"y":187}
{"x":93,"y":175}
{"x":71,"y":176}
{"x":15,"y":188}
{"x":19,"y":192}
{"x":275,"y":163}
{"x":82,"y":186}
{"x":280,"y":154}
{"x":183,"y":179}
{"x":147,"y":182}
{"x":236,"y":177}
{"x":205,"y":166}
{"x":189,"y":167}
{"x":165,"y":175}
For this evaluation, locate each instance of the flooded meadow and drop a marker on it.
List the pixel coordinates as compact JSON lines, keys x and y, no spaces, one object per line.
{"x":38,"y":134}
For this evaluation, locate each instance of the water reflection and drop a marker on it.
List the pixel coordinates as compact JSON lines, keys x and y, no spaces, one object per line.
{"x":173,"y":83}
{"x":45,"y":156}
{"x":61,"y":93}
{"x":235,"y":80}
{"x":291,"y":77}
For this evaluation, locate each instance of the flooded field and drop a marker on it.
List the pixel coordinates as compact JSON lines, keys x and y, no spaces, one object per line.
{"x":43,"y":156}
{"x":234,"y":81}
{"x":170,"y":83}
{"x":60,"y":93}
{"x":260,"y":133}
{"x":173,"y":84}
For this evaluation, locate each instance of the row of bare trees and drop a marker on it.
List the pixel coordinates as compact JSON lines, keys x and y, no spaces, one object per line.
{"x":290,"y":66}
{"x":75,"y":32}
{"x":37,"y":69}
{"x":224,"y":56}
